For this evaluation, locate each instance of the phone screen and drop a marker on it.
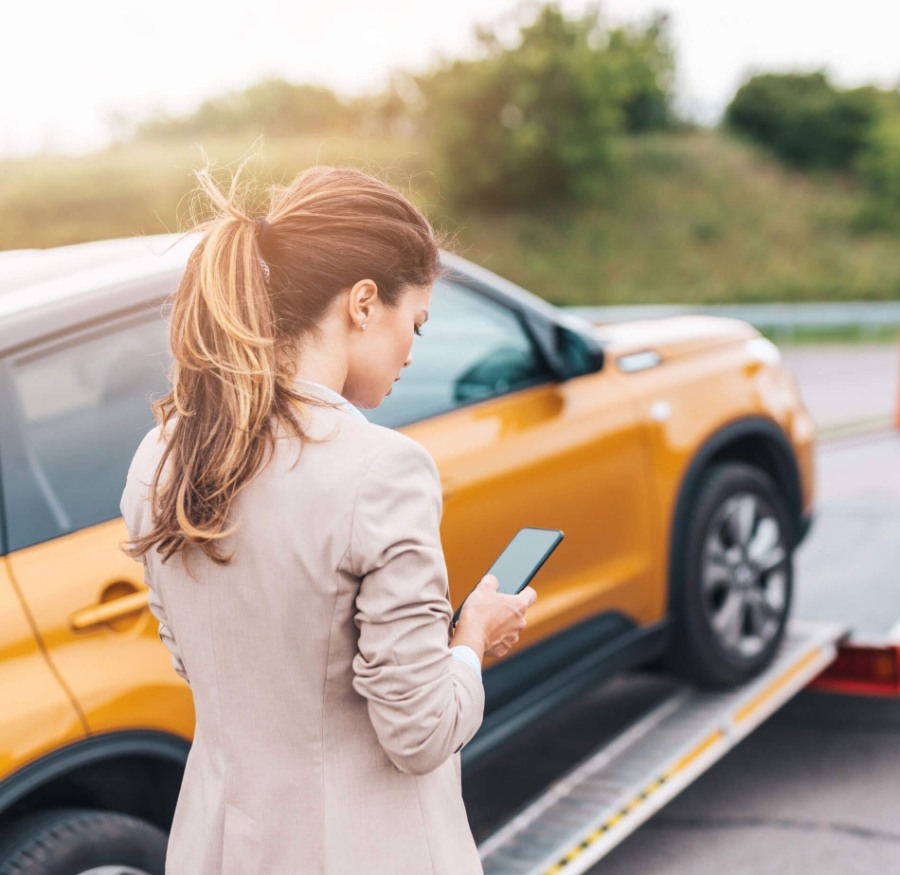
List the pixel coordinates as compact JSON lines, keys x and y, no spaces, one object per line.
{"x":521,"y":559}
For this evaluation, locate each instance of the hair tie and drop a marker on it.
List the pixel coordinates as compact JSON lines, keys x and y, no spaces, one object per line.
{"x":262,"y":228}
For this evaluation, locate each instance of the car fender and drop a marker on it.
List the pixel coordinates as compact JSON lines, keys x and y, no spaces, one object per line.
{"x":54,"y":766}
{"x":753,"y":439}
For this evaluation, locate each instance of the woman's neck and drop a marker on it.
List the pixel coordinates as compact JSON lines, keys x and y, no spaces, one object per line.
{"x":322,"y":363}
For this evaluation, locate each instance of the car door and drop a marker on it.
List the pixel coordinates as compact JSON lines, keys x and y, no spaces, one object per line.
{"x":38,"y":716}
{"x":516,"y":447}
{"x":75,"y":410}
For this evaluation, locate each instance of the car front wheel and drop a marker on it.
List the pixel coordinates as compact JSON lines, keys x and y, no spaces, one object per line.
{"x":734,"y":581}
{"x":82,"y":842}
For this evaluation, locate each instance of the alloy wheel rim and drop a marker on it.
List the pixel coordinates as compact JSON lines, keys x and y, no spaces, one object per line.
{"x":744,"y":575}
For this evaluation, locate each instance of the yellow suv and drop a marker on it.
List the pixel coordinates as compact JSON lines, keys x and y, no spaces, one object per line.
{"x":675,"y":454}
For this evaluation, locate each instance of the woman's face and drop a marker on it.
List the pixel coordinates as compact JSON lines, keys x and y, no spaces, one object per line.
{"x":379,"y":354}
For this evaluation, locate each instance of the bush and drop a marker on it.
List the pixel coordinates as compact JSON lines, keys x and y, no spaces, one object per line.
{"x":879,"y":167}
{"x":532,"y":123}
{"x":804,"y":120}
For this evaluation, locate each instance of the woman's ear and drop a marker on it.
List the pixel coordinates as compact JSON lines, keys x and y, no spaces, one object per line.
{"x":362,"y":301}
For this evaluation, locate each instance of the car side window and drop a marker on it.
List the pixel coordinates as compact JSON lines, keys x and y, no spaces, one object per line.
{"x":78,"y":411}
{"x":471,"y":349}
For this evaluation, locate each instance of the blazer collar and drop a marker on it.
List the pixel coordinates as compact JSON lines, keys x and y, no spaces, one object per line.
{"x":328,"y":394}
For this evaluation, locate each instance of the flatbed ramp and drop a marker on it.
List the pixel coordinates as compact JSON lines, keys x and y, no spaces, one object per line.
{"x":584,"y":815}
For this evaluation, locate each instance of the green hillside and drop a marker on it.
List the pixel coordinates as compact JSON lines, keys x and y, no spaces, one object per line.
{"x":690,"y":217}
{"x":697,"y":218}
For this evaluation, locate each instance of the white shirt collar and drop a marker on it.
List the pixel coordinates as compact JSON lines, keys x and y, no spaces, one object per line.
{"x":335,"y":396}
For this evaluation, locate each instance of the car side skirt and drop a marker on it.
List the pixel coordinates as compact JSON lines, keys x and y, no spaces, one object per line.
{"x":543,"y":690}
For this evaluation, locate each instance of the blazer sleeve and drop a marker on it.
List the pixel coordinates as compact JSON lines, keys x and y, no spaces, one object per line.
{"x":423,"y":704}
{"x":134,"y":505}
{"x":165,"y":633}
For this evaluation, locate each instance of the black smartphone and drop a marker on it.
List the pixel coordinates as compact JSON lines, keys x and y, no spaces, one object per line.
{"x":520,"y":560}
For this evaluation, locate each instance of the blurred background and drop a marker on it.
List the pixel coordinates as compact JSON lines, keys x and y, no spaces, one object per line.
{"x":665,"y":152}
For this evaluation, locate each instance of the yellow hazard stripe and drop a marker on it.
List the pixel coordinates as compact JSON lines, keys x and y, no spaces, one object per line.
{"x":625,"y":810}
{"x":700,"y":749}
{"x":776,"y":685}
{"x":708,"y":742}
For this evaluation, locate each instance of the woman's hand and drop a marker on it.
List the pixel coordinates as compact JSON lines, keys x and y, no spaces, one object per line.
{"x":490,"y":622}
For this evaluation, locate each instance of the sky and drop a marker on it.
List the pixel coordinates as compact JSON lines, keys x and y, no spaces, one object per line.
{"x":74,"y":74}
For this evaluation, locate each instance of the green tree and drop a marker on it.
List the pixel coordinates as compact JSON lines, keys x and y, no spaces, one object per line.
{"x":534,"y":122}
{"x":805,"y":120}
{"x":644,"y":66}
{"x":879,"y":167}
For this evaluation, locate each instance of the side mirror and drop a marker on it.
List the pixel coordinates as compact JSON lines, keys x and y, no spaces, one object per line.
{"x":579,"y":353}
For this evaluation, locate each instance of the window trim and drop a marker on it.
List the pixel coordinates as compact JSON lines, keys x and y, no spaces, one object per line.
{"x":521,"y":317}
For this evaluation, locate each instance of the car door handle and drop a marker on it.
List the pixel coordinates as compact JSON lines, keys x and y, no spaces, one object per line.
{"x":111,"y":610}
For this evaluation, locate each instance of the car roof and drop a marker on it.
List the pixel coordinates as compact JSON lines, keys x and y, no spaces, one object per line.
{"x":45,"y":292}
{"x":23,"y":268}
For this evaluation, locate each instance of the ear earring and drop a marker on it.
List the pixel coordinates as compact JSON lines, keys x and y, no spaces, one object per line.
{"x":363,"y":326}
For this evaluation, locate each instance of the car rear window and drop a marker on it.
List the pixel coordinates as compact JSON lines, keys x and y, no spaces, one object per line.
{"x":78,"y":411}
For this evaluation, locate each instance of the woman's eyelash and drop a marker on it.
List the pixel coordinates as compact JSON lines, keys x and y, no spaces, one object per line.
{"x":418,"y":332}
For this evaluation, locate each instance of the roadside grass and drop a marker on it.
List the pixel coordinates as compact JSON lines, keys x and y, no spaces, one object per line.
{"x":696,"y":218}
{"x":146,"y":188}
{"x":687,"y":218}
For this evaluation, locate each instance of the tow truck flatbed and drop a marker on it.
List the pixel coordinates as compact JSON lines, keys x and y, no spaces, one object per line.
{"x":586,"y":813}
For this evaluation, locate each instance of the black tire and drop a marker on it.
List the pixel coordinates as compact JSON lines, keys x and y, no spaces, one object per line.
{"x":71,"y":841}
{"x":730,"y":614}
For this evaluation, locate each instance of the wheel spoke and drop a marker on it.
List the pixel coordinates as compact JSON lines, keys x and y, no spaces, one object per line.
{"x":742,"y":519}
{"x":772,"y":595}
{"x":714,"y":547}
{"x":764,"y":550}
{"x":730,"y":617}
{"x":715,"y":572}
{"x":760,"y":613}
{"x":771,"y":559}
{"x":765,"y":538}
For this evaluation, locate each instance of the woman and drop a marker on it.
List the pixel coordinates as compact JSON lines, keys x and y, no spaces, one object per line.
{"x":292,"y":549}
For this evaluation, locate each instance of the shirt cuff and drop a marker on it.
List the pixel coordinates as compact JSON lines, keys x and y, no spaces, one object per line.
{"x":465,"y":654}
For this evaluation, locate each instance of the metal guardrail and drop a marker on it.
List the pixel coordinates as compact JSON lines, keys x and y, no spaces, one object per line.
{"x":781,"y":319}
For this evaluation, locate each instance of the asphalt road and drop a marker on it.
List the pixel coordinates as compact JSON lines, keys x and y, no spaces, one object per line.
{"x":812,"y":792}
{"x":846,"y":384}
{"x":815,"y":789}
{"x":849,"y":565}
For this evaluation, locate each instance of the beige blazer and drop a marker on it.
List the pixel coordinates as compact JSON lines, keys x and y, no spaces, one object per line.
{"x":330,"y":713}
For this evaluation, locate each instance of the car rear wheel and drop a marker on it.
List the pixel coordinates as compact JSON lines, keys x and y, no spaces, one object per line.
{"x":734,"y":581}
{"x":76,"y":841}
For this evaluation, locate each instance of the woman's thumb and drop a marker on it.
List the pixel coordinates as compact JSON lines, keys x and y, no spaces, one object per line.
{"x":489,"y":581}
